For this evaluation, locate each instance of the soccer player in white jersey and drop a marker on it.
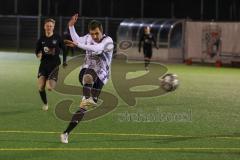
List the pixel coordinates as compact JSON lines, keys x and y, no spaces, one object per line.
{"x":95,"y":70}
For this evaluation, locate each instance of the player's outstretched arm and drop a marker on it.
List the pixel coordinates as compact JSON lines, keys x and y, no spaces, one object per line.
{"x":73,"y":33}
{"x":105,"y":45}
{"x":70,"y":43}
{"x":73,"y":20}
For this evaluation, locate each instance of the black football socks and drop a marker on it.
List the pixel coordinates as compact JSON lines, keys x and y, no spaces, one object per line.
{"x":76,"y":118}
{"x":43,"y":96}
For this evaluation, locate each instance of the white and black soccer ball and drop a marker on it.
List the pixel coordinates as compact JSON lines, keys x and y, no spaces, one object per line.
{"x":169,"y":82}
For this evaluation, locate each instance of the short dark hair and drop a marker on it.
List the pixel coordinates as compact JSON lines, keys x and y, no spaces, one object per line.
{"x":95,"y":24}
{"x":49,"y":20}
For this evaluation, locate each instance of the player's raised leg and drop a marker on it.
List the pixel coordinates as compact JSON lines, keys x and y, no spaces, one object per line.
{"x":96,"y":89}
{"x":88,"y":80}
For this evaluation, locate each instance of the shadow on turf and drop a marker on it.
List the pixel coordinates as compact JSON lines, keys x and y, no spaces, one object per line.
{"x":153,"y":140}
{"x":164,"y":140}
{"x":10,"y":113}
{"x":29,"y":141}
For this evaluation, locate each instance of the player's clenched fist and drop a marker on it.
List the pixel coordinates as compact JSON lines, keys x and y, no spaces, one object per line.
{"x":73,"y":20}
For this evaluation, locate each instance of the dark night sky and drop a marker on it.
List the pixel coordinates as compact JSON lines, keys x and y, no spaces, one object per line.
{"x":228,"y":9}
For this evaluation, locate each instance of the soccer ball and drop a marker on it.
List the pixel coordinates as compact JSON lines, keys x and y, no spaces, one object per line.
{"x":169,"y":82}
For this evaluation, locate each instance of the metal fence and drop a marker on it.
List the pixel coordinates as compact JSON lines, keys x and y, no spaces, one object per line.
{"x":20,"y":33}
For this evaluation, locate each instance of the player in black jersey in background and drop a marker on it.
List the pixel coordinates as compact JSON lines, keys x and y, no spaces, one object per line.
{"x":67,"y":38}
{"x":148,"y":41}
{"x":47,"y":50}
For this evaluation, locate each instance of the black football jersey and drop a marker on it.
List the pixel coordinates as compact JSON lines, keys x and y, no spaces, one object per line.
{"x":51,"y":47}
{"x":148,"y":41}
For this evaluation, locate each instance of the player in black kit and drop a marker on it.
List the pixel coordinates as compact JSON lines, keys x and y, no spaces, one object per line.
{"x":67,"y":38}
{"x":47,"y":50}
{"x":148,"y":40}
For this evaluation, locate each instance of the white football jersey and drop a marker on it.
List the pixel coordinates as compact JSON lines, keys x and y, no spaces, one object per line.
{"x":98,"y":55}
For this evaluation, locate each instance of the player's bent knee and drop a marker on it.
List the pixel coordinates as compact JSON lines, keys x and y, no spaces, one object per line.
{"x":41,"y":87}
{"x":49,"y":88}
{"x":87,"y":79}
{"x":41,"y":84}
{"x":51,"y":85}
